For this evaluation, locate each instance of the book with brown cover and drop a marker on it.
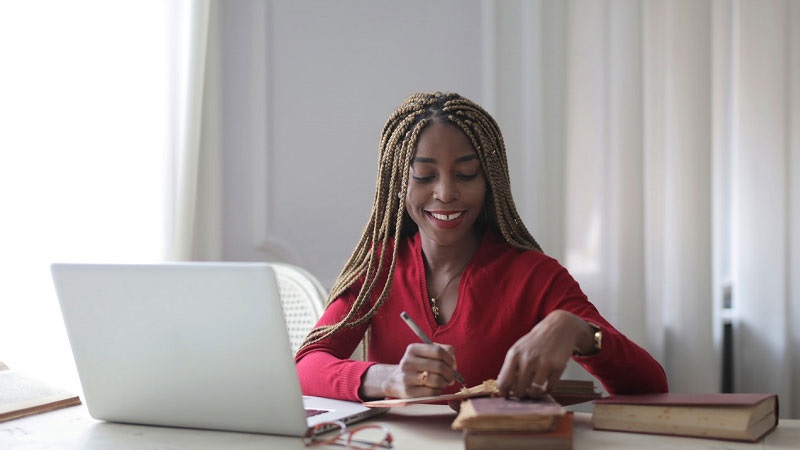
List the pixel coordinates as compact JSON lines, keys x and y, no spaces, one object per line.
{"x":738,"y":417}
{"x":500,"y":413}
{"x":22,"y":395}
{"x":560,"y":438}
{"x":570,"y":392}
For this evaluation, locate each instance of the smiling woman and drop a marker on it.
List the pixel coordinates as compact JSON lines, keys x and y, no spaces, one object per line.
{"x":82,"y":156}
{"x":445,"y":246}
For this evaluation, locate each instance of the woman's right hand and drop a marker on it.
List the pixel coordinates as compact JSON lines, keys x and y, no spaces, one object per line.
{"x":424,"y":370}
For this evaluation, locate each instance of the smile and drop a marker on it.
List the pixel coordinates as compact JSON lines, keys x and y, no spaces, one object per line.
{"x":447,"y":217}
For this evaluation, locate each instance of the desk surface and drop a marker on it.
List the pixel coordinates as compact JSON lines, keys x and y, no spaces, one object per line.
{"x":415,"y":427}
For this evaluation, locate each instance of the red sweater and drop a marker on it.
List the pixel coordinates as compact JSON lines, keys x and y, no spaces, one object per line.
{"x":503,"y":293}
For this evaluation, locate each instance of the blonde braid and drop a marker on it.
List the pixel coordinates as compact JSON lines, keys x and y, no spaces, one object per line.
{"x":389,"y":223}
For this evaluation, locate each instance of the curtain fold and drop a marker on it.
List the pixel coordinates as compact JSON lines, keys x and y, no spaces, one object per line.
{"x":193,"y":178}
{"x":761,"y":84}
{"x":680,"y":148}
{"x":680,"y":155}
{"x":638,"y":180}
{"x":793,"y":340}
{"x":686,"y":288}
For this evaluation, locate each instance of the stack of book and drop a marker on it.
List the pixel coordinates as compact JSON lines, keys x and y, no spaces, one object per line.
{"x":499,"y":423}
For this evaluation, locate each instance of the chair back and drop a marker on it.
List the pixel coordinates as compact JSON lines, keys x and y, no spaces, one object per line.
{"x":303,"y":299}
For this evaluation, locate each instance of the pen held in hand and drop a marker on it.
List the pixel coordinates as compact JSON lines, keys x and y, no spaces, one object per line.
{"x":418,"y":331}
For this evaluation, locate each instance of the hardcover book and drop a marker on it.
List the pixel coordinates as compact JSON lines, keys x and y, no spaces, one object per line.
{"x":22,"y":395}
{"x":560,"y":438}
{"x":740,"y":417}
{"x":503,"y":414}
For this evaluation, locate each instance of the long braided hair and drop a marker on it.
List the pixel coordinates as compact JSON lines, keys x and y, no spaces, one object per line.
{"x":389,"y":221}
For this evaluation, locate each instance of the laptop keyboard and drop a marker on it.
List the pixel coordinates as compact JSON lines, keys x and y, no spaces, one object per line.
{"x":314,"y":412}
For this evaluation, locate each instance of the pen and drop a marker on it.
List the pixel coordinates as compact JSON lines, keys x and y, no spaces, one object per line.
{"x":418,"y":331}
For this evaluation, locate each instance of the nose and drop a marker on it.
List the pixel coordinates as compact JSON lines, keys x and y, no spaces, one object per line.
{"x":446,"y":189}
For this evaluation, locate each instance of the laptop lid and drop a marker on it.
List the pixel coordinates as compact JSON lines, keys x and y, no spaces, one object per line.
{"x":199,"y":345}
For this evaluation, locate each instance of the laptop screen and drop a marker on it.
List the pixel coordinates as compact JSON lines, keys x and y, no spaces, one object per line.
{"x":201,"y":345}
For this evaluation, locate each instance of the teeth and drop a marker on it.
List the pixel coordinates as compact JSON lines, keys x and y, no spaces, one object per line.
{"x":447,"y":216}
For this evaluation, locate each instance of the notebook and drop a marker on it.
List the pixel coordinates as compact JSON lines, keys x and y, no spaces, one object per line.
{"x":197,"y":345}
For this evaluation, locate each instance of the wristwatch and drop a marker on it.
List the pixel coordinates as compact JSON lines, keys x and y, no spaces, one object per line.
{"x":597,"y":340}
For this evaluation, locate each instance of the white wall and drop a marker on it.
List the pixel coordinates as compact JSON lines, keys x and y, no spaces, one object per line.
{"x":300,"y":170}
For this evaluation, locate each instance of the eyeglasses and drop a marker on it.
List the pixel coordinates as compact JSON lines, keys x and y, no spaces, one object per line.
{"x":364,"y":437}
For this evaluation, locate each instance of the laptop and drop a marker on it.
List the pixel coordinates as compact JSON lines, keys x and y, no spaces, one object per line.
{"x":197,"y":345}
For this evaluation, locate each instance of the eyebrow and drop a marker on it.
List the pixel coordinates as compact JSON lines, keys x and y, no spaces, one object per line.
{"x":465,"y":158}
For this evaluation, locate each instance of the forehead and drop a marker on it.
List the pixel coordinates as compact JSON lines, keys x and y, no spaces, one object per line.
{"x":441,"y":140}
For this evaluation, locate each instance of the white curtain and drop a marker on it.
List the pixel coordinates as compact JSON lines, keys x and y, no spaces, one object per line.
{"x":680,"y":159}
{"x":193,"y":173}
{"x":762,"y":133}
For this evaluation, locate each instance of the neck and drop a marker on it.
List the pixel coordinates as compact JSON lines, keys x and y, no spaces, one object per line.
{"x":449,"y":258}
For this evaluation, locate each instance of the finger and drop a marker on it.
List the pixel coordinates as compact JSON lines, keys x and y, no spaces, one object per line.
{"x":421,"y":350}
{"x":523,"y":382}
{"x":417,"y":356}
{"x":554,"y":378}
{"x":441,"y":352}
{"x":452,"y":366}
{"x":426,"y":372}
{"x":415,"y":390}
{"x":538,"y":387}
{"x":545,"y":380}
{"x":436,"y":375}
{"x":422,"y":384}
{"x":437,"y":359}
{"x":526,"y":372}
{"x":506,"y":376}
{"x":419,"y":379}
{"x":422,"y":378}
{"x":430,"y":379}
{"x":450,"y":351}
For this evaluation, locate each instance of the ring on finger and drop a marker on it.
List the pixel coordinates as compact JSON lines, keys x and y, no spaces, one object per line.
{"x":539,"y":386}
{"x":423,"y":377}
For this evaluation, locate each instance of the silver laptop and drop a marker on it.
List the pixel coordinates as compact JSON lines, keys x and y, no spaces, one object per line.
{"x":198,"y":345}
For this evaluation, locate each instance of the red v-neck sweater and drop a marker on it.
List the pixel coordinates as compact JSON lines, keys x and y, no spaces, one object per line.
{"x":503,"y":293}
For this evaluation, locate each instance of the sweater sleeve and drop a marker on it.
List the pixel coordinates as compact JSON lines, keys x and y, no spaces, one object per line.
{"x":325,"y":368}
{"x":621,"y":365}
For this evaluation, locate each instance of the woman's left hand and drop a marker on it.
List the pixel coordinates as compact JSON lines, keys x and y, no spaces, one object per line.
{"x":536,"y":361}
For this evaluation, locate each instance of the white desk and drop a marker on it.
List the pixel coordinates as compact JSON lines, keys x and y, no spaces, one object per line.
{"x":418,"y":427}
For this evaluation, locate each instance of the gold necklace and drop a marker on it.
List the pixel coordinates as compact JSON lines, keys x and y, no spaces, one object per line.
{"x":435,"y":308}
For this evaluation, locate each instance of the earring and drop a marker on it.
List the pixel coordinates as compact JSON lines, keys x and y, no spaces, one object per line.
{"x":400,"y":195}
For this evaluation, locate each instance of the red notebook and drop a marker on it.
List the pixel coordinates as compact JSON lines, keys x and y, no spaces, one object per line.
{"x":739,"y":417}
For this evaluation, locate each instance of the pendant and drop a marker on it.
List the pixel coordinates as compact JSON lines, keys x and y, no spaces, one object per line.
{"x":434,"y":308}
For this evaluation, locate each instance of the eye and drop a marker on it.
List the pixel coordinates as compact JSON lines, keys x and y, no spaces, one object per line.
{"x":422,"y":174}
{"x":420,"y":179}
{"x":467,"y":177}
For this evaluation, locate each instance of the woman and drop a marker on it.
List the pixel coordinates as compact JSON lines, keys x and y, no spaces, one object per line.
{"x":445,"y":243}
